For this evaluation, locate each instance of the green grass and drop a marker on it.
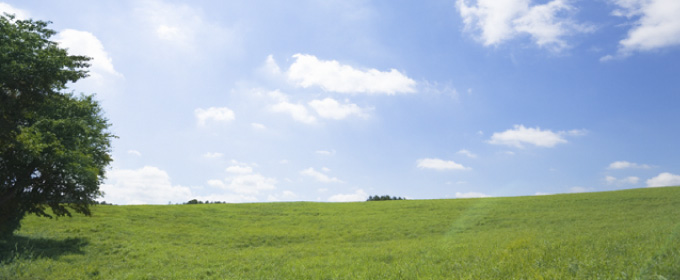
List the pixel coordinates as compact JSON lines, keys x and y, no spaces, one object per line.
{"x":631,"y":234}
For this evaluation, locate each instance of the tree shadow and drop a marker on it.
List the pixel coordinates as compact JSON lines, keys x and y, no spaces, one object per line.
{"x":28,"y":248}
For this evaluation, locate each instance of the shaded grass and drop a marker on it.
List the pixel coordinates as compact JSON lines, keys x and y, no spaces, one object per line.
{"x":632,"y":234}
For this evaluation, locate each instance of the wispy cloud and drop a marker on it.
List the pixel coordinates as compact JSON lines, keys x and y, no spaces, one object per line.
{"x":466,"y":153}
{"x":626,"y":164}
{"x":329,"y":108}
{"x":323,"y":178}
{"x":439,"y":164}
{"x":519,"y":136}
{"x":214,"y":114}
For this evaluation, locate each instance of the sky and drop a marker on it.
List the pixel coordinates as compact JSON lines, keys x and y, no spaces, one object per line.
{"x":333,"y":101}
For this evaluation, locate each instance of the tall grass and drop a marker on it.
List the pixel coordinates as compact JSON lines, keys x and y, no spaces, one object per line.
{"x":632,"y":234}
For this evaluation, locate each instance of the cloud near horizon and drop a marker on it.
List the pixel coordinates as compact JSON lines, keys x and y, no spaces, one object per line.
{"x":664,"y":179}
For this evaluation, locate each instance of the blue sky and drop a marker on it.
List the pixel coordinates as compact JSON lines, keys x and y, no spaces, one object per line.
{"x":257,"y":101}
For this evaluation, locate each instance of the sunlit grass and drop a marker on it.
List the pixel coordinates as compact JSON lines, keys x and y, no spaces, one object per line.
{"x":631,"y":234}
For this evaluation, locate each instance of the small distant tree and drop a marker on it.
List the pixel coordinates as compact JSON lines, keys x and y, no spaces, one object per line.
{"x":193,"y":201}
{"x":54,"y":146}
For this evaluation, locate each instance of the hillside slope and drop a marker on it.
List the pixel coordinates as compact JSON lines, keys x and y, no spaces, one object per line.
{"x":631,"y":234}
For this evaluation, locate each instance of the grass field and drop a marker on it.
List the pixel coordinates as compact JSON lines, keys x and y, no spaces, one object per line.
{"x":631,"y":234}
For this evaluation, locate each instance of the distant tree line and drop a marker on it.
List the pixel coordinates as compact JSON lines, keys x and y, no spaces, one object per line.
{"x":384,"y":197}
{"x":196,"y":201}
{"x":101,"y":203}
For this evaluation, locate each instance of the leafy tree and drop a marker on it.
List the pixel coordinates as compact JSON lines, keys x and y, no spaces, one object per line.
{"x":54,"y":147}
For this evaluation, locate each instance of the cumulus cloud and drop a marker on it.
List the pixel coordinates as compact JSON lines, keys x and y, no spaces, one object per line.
{"x":323,"y":178}
{"x":664,"y":179}
{"x":103,"y":77}
{"x":246,"y":183}
{"x":358,"y":195}
{"x":214,"y":114}
{"x":134,"y":153}
{"x":329,"y":108}
{"x":657,"y":25}
{"x":520,"y":135}
{"x":147,"y":185}
{"x":18,"y":13}
{"x":499,"y":21}
{"x":470,"y":195}
{"x":439,"y":164}
{"x":85,"y":43}
{"x":626,"y":164}
{"x":308,"y":71}
{"x":298,"y":111}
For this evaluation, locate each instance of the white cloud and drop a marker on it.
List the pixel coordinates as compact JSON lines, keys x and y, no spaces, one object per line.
{"x":625,"y":164}
{"x":271,"y":67}
{"x":663,"y":180}
{"x":134,"y":153}
{"x":85,"y":43}
{"x":358,"y":195}
{"x":323,"y":178}
{"x":329,"y":108}
{"x":657,"y":26}
{"x":18,"y":13}
{"x":520,"y":135}
{"x":297,"y":111}
{"x":499,"y":21}
{"x":470,"y":195}
{"x":183,"y":27}
{"x":466,"y":153}
{"x":215,"y":114}
{"x":258,"y":126}
{"x":246,"y":183}
{"x":147,"y":185}
{"x":103,"y":77}
{"x":630,"y":180}
{"x":330,"y":75}
{"x":439,"y":164}
{"x":610,"y":179}
{"x":325,"y":153}
{"x":239,"y":169}
{"x":213,"y":155}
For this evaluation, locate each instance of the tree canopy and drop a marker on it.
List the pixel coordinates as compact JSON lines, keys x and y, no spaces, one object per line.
{"x":54,"y":146}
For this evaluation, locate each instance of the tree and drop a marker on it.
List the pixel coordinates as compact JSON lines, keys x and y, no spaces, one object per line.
{"x":54,"y":146}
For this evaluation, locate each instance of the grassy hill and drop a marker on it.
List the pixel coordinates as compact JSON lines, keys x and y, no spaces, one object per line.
{"x":631,"y":234}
